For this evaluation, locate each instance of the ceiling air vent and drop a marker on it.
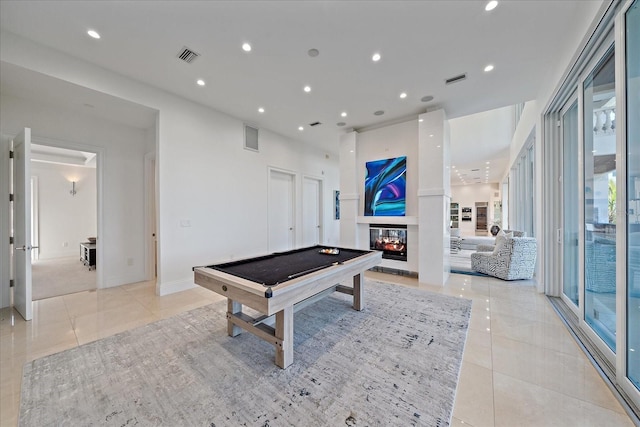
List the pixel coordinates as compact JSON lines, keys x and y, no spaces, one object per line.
{"x":315,"y":124}
{"x":455,"y":79}
{"x":187,"y":55}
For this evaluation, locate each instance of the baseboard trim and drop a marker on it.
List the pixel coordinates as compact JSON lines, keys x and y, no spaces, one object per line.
{"x":168,"y":288}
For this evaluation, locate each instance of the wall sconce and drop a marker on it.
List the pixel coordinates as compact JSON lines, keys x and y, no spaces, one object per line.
{"x":73,"y":188}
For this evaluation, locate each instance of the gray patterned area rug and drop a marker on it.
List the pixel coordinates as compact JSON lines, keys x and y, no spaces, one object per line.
{"x":394,"y":364}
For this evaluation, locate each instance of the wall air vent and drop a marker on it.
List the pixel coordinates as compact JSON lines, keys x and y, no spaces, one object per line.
{"x":455,"y":79}
{"x":187,"y":55}
{"x":251,"y":138}
{"x":315,"y":124}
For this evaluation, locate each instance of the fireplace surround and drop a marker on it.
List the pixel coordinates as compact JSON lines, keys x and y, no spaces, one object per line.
{"x":390,"y":239}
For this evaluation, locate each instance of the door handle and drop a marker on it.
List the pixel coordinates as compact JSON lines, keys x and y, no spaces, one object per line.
{"x":25,"y":248}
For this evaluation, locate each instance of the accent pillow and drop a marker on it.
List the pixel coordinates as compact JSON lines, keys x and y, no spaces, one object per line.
{"x":501,"y":239}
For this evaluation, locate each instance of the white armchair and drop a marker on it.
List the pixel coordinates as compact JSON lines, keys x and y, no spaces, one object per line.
{"x":513,"y":258}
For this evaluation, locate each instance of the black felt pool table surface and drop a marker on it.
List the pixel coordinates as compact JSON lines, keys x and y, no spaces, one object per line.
{"x":280,"y":267}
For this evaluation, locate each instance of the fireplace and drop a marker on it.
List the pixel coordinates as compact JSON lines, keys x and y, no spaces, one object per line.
{"x":390,"y":239}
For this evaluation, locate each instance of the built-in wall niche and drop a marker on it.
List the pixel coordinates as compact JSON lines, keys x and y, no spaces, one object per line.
{"x":390,"y":239}
{"x":466,"y":214}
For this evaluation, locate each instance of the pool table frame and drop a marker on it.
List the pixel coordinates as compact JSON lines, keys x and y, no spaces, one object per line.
{"x":285,"y":299}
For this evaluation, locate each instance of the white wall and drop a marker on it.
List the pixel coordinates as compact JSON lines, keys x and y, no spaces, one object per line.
{"x":64,"y":221}
{"x":203,"y":173}
{"x":467,"y":196}
{"x":389,"y":142}
{"x":124,"y":147}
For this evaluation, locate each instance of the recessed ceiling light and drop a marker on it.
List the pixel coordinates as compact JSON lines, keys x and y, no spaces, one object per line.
{"x":378,"y":113}
{"x":437,"y":146}
{"x":453,"y":167}
{"x":307,"y":89}
{"x":426,"y":98}
{"x":403,"y":95}
{"x":246,"y":47}
{"x":313,"y":52}
{"x":300,"y":128}
{"x":200,"y":82}
{"x":94,"y":34}
{"x":340,"y":124}
{"x":488,"y":68}
{"x":420,"y":120}
{"x":260,"y":110}
{"x":344,"y":114}
{"x":431,"y":136}
{"x":376,"y":57}
{"x":488,"y":162}
{"x":491,"y":5}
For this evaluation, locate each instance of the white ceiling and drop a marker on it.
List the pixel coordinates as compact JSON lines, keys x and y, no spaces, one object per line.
{"x":422,"y":43}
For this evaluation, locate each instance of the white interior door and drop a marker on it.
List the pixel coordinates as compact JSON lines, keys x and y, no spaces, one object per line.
{"x":22,"y":223}
{"x":281,"y":213}
{"x":311,"y":224}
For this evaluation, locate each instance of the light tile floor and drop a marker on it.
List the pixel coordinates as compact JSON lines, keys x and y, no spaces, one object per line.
{"x":520,"y":366}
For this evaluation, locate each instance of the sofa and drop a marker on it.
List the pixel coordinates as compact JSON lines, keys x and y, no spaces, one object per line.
{"x":455,"y":240}
{"x":513,"y":258}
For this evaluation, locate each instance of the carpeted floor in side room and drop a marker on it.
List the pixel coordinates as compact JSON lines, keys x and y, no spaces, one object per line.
{"x":395,"y":363}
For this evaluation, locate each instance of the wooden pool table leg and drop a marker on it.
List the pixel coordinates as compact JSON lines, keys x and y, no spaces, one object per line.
{"x":233,"y":307}
{"x":284,"y":334}
{"x":358,"y":292}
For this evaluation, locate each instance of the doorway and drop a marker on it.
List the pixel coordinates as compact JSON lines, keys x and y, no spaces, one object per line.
{"x":64,"y":220}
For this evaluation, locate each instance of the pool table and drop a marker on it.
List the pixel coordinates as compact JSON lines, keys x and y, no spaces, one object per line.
{"x":280,"y":284}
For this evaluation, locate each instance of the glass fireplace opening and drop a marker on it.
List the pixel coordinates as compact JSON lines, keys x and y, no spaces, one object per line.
{"x":390,"y":239}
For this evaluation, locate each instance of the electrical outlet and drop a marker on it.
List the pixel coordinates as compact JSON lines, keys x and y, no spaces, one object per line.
{"x":65,"y":244}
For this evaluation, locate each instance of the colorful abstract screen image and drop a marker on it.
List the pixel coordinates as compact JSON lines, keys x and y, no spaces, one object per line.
{"x":385,"y":186}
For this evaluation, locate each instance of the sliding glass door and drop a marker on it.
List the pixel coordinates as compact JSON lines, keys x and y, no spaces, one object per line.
{"x":632,"y":85}
{"x":591,"y":153}
{"x":599,"y":161}
{"x":570,"y":205}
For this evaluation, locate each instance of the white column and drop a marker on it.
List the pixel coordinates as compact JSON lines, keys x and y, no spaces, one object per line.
{"x":434,"y":197}
{"x":349,"y":198}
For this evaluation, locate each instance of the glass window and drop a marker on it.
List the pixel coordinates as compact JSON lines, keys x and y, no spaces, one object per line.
{"x":570,"y":202}
{"x":632,"y":21}
{"x":600,"y":200}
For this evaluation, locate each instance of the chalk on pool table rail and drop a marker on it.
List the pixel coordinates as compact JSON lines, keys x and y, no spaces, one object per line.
{"x":268,"y":293}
